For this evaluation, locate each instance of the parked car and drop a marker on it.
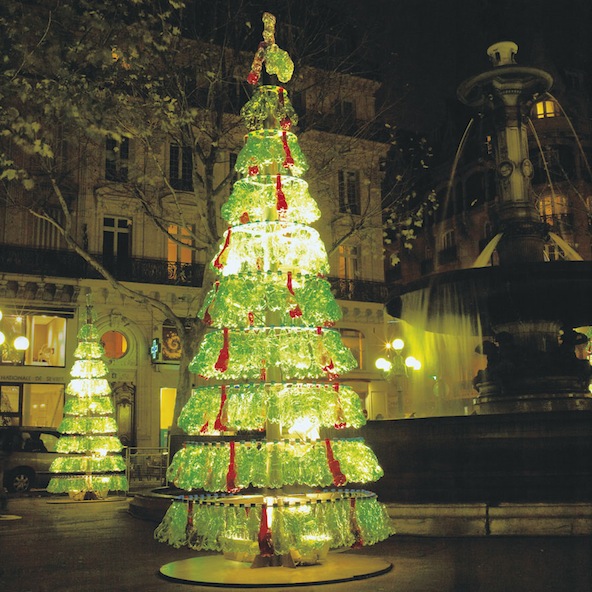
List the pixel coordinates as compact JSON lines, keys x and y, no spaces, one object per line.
{"x":28,"y":454}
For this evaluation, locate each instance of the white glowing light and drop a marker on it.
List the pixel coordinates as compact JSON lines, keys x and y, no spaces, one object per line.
{"x":398,"y":344}
{"x":2,"y":338}
{"x":383,"y":364}
{"x":21,"y":343}
{"x":412,"y":362}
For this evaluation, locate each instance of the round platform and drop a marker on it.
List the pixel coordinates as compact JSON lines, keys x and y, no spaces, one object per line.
{"x":218,"y":572}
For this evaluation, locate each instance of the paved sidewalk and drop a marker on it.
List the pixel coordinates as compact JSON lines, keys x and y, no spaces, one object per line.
{"x":60,"y":546}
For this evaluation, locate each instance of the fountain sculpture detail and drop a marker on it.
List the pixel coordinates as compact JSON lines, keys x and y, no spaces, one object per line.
{"x":529,"y":307}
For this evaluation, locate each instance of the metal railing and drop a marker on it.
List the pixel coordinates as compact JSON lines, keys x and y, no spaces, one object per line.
{"x":146,"y":467}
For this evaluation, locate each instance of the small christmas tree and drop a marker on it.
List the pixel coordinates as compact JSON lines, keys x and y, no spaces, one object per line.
{"x":94,"y":465}
{"x":275,"y":359}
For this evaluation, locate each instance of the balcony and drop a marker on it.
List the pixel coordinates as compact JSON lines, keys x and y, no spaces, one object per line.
{"x":66,"y":264}
{"x":360,"y":290}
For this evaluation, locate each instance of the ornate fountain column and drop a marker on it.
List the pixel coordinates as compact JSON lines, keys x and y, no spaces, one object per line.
{"x":508,"y":92}
{"x":529,"y":370}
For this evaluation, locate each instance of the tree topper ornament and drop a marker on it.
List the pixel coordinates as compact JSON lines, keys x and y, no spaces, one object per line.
{"x":277,"y":61}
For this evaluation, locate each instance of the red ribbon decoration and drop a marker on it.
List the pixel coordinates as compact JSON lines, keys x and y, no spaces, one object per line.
{"x":251,"y":318}
{"x":338,"y":477}
{"x":244,"y":219}
{"x":285,"y":122}
{"x":218,"y":424}
{"x":340,"y":422}
{"x":296,"y":311}
{"x":218,"y":263}
{"x":289,"y":284}
{"x":231,"y":475}
{"x":265,"y":544}
{"x":204,"y":428}
{"x":281,"y":204}
{"x":288,"y":161}
{"x":189,"y":516}
{"x":355,"y":527}
{"x":222,"y":361}
{"x":263,"y":375}
{"x":253,"y":170}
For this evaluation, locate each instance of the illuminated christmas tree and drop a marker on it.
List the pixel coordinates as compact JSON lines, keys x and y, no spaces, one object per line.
{"x":272,"y":360}
{"x":94,"y":465}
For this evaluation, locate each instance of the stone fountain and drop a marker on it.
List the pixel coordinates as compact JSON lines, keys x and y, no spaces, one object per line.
{"x":531,"y":439}
{"x":527,"y":307}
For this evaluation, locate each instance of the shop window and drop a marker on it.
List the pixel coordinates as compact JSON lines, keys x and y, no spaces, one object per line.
{"x":30,"y":404}
{"x":115,"y":344}
{"x":46,"y":336}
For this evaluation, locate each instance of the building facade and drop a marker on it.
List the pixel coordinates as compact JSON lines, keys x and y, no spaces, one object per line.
{"x":44,"y":283}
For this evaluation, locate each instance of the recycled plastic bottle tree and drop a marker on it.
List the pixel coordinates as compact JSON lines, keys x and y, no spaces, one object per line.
{"x":94,"y":465}
{"x":276,"y":361}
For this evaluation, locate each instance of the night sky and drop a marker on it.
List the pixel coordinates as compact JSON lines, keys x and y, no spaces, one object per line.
{"x":428,"y":47}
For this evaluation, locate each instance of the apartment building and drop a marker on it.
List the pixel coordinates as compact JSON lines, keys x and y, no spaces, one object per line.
{"x":44,"y":282}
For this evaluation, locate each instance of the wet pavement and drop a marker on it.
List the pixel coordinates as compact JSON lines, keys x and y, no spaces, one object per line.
{"x":57,"y":545}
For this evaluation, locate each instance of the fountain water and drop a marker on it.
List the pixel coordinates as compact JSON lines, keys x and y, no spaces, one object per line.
{"x":529,"y":307}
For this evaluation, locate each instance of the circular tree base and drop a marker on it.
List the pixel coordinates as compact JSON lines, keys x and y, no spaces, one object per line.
{"x":218,"y":572}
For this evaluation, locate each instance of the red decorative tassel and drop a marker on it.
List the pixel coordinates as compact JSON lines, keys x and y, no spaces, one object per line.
{"x":253,"y":170}
{"x":296,"y":312}
{"x":231,"y":475}
{"x":338,"y":477}
{"x":285,"y":122}
{"x":355,"y":527}
{"x":329,"y":370}
{"x":340,"y":420}
{"x":189,"y":515}
{"x":251,"y":318}
{"x":263,"y":375}
{"x":244,"y":219}
{"x":218,"y":263}
{"x":289,"y":284}
{"x":288,"y":161}
{"x":204,"y":428}
{"x":281,"y":203}
{"x":265,"y":544}
{"x":222,"y":361}
{"x":219,"y":424}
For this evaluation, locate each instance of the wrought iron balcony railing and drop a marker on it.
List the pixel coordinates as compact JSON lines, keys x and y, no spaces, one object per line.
{"x":24,"y":260}
{"x":66,"y":264}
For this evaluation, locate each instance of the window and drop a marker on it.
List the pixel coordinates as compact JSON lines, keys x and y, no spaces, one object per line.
{"x":116,"y":159}
{"x":30,"y":404}
{"x":179,"y":257}
{"x":116,"y":241}
{"x":349,"y":192}
{"x":181,"y":167}
{"x":115,"y":344}
{"x":349,"y":262}
{"x":353,"y":340}
{"x":448,"y":239}
{"x":545,"y":109}
{"x":45,"y":235}
{"x":345,"y":110}
{"x":46,"y":335}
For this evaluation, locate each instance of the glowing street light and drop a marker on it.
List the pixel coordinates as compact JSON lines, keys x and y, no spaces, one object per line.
{"x":21,"y":343}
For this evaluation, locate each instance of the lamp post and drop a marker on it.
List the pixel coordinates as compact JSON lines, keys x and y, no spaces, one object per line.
{"x":396,"y":367}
